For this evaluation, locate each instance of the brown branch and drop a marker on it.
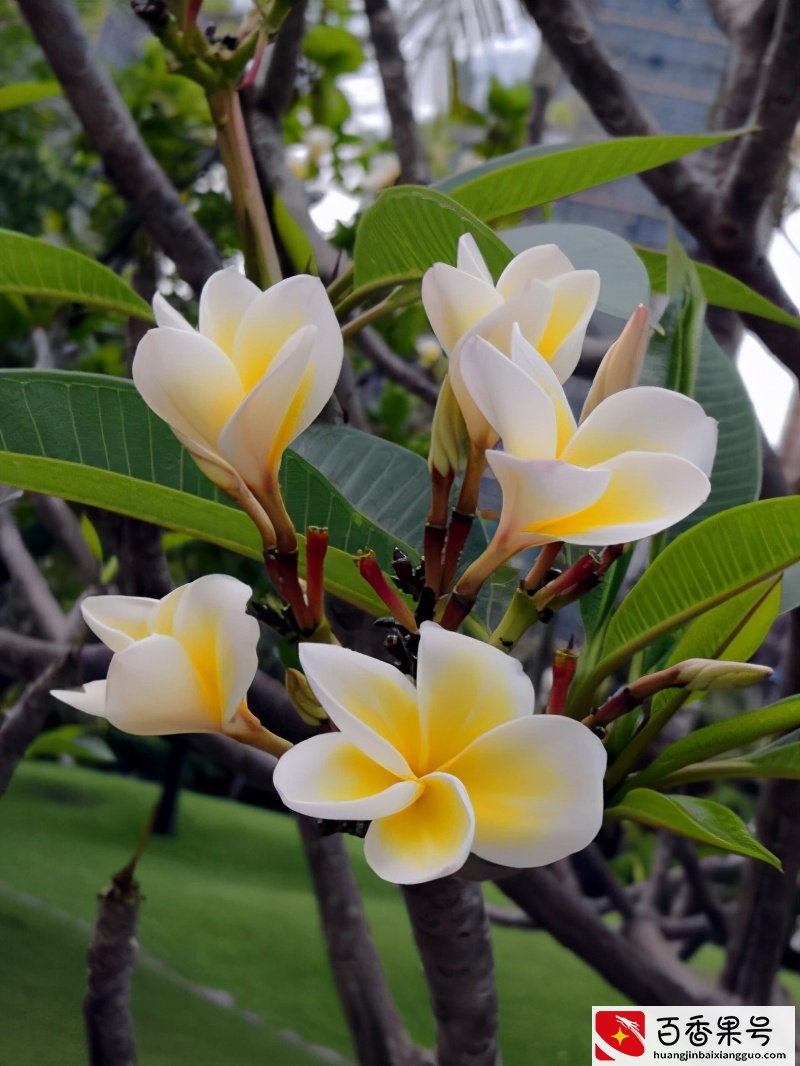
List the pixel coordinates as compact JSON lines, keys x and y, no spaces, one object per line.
{"x":379,"y":1035}
{"x":109,"y":127}
{"x":275,"y":90}
{"x":397,"y":94}
{"x":647,"y":972}
{"x":27,"y":657}
{"x":411,"y":377}
{"x":58,"y":517}
{"x":451,"y":930}
{"x":748,"y":32}
{"x":25,"y":574}
{"x":112,"y":956}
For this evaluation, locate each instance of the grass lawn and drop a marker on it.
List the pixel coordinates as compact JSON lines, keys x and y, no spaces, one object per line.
{"x":228,"y":907}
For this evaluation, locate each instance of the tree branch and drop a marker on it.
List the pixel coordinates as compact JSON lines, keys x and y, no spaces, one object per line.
{"x":451,"y":930}
{"x":378,"y":1032}
{"x":411,"y":377}
{"x":44,"y":607}
{"x":109,"y":127}
{"x":58,"y":517}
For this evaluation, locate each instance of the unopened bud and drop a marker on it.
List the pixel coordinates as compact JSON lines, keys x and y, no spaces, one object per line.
{"x":428,"y":349}
{"x":709,"y":675}
{"x":303,"y":699}
{"x":622,"y":363}
{"x":449,"y":438}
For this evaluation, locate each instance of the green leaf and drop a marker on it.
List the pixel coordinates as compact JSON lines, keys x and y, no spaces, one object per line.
{"x":538,"y":175}
{"x":408,"y":229}
{"x":31,"y":267}
{"x":736,"y":477}
{"x":703,"y":567}
{"x":80,"y":742}
{"x":683,"y":320}
{"x":698,"y":819}
{"x":334,"y":48}
{"x":23,"y":93}
{"x":720,"y":288}
{"x":720,"y":737}
{"x":623,"y":279}
{"x":294,"y":241}
{"x":91,"y":439}
{"x":790,"y":589}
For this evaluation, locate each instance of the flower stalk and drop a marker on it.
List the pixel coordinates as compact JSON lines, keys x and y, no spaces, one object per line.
{"x":283,"y":573}
{"x":565,"y":663}
{"x":371,"y":572}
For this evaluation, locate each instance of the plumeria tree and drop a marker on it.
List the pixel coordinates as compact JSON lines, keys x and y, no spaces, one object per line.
{"x":630,"y":514}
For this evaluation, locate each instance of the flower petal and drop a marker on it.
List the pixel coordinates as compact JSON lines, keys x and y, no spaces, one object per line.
{"x":429,"y":839}
{"x":529,"y":308}
{"x":539,"y":493}
{"x":513,"y":403}
{"x":215,"y":468}
{"x":455,"y":301}
{"x":187,"y":381}
{"x":166,"y":315}
{"x":465,"y":688}
{"x":575,"y":298}
{"x":209,"y":619}
{"x":536,"y":786}
{"x":647,"y":492}
{"x":277,"y":410}
{"x":91,"y":699}
{"x":525,"y":356}
{"x":328,"y":777}
{"x":153,"y":690}
{"x":470,"y":260}
{"x":372,"y":703}
{"x":645,"y":419}
{"x":542,"y":263}
{"x":224,"y":299}
{"x":119,"y":620}
{"x":271,"y":320}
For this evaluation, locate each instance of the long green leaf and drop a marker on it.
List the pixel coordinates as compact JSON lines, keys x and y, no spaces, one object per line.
{"x":720,"y":737}
{"x":30,"y":267}
{"x":23,"y":93}
{"x":408,"y":229}
{"x":721,"y":289}
{"x":705,"y":566}
{"x":698,"y":819}
{"x":91,"y":439}
{"x":535,"y":176}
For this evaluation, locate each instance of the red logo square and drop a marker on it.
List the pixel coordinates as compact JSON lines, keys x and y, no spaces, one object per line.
{"x":619,"y":1035}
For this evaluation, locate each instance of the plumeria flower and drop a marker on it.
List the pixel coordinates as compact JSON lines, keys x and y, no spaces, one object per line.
{"x":636,"y":465}
{"x":182,"y":664}
{"x":550,"y":302}
{"x":455,"y":765}
{"x":236,"y":391}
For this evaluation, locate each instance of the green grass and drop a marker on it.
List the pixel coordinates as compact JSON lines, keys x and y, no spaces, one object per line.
{"x":228,"y":907}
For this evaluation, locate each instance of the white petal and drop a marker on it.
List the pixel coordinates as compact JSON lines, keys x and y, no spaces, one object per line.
{"x":647,"y":492}
{"x":455,"y":301}
{"x":470,"y":260}
{"x":372,"y":703}
{"x":529,"y":308}
{"x":542,"y":263}
{"x":328,"y":777}
{"x":429,"y":839}
{"x":119,"y":620}
{"x":645,"y":419}
{"x":187,"y":381}
{"x":575,"y":298}
{"x":91,"y":699}
{"x":513,"y":403}
{"x":153,"y":690}
{"x":274,"y":317}
{"x":209,"y":618}
{"x":525,"y":356}
{"x":536,"y":786}
{"x":277,"y":410}
{"x":539,"y":493}
{"x":465,"y":688}
{"x":223,"y":302}
{"x":215,"y":468}
{"x":166,"y":315}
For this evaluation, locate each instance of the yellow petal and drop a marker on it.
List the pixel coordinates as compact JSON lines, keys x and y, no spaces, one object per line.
{"x":536,"y":787}
{"x":575,"y":297}
{"x":465,"y":688}
{"x":430,"y":838}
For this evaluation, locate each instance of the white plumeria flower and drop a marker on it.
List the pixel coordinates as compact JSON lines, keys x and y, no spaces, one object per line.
{"x":457,"y":764}
{"x":638,"y":464}
{"x":539,"y":290}
{"x":182,"y":664}
{"x":256,"y":373}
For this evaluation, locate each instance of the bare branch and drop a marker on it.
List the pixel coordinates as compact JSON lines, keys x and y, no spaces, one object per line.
{"x":60,"y":520}
{"x":451,"y":930}
{"x":411,"y":377}
{"x":110,"y":128}
{"x":43,"y":605}
{"x":748,"y":27}
{"x":274,"y":91}
{"x":378,"y":1032}
{"x":397,"y":94}
{"x":26,"y":657}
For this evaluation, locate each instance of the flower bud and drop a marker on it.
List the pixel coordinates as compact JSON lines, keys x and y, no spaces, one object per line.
{"x":303,"y":699}
{"x":449,"y":439}
{"x":708,"y":675}
{"x":622,"y":363}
